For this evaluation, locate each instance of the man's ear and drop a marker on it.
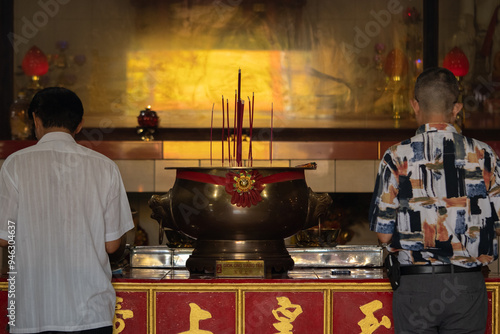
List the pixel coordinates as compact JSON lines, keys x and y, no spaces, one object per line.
{"x":415,"y":106}
{"x":37,"y":121}
{"x":456,"y":109}
{"x":79,"y":127}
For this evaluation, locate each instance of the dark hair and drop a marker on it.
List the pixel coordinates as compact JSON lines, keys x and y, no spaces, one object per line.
{"x":437,"y":90}
{"x":57,"y":107}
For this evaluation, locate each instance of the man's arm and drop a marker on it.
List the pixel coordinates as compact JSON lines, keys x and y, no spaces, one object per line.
{"x":384,"y":238}
{"x":3,"y":243}
{"x":111,"y":246}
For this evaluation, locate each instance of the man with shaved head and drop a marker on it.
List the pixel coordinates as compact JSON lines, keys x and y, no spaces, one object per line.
{"x":436,"y":205}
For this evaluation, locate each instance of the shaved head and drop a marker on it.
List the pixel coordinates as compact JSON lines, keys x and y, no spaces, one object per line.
{"x":436,"y":90}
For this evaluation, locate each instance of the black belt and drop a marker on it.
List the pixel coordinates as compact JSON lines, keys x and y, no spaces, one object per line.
{"x":438,"y":269}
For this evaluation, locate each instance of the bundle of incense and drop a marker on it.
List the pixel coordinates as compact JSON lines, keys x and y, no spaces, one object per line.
{"x":235,"y":157}
{"x":239,"y":143}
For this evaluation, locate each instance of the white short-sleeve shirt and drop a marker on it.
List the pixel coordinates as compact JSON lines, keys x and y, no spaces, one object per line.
{"x":64,"y":201}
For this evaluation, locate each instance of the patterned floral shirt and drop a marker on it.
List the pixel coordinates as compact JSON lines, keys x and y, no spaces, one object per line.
{"x":438,"y":193}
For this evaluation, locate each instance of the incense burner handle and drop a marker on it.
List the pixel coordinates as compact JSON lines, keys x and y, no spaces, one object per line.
{"x":162,"y":212}
{"x":317,"y":208}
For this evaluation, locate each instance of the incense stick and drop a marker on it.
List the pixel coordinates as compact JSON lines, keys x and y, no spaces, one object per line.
{"x":271,"y":141}
{"x":211,"y":131}
{"x":250,"y":125}
{"x":234,"y":125}
{"x":239,"y":85}
{"x":223,"y":121}
{"x":228,"y":133}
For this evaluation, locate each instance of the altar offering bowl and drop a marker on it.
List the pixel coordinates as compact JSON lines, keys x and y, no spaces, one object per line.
{"x":239,"y":213}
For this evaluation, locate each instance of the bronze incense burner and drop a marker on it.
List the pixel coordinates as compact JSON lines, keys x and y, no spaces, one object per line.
{"x":239,"y":213}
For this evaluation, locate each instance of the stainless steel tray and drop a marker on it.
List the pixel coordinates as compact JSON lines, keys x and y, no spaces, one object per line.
{"x":151,"y":257}
{"x":304,"y":257}
{"x":339,"y":256}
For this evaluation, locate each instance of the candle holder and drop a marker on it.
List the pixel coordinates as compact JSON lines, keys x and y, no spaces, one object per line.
{"x":396,"y":67}
{"x":148,"y":124}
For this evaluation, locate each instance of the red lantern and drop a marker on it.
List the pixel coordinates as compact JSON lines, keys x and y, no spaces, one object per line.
{"x":35,"y":62}
{"x":456,"y":61}
{"x":396,"y":63}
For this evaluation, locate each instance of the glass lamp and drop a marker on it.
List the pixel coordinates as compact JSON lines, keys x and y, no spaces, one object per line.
{"x":34,"y":65}
{"x":456,"y":61}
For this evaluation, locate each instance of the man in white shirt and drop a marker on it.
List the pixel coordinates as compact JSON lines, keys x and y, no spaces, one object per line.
{"x":63,"y":209}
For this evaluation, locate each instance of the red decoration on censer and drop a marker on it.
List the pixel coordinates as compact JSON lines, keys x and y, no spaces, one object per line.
{"x":456,"y":61}
{"x":35,"y":62}
{"x":244,"y":187}
{"x":396,"y":63}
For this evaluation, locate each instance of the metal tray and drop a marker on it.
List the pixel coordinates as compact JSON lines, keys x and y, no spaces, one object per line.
{"x":151,"y":257}
{"x":304,"y":257}
{"x":338,"y":256}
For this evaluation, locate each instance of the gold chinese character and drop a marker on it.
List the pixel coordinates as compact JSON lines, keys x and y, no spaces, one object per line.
{"x":289,"y":313}
{"x":195,"y":316}
{"x":119,"y":324}
{"x":370,"y":324}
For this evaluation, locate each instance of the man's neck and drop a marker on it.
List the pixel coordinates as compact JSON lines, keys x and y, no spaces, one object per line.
{"x":44,"y":131}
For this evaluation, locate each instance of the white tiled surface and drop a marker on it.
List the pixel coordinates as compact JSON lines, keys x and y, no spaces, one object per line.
{"x":137,"y":175}
{"x":246,"y":163}
{"x":275,"y":163}
{"x":377,"y":163}
{"x":354,"y":176}
{"x":351,"y":176}
{"x":165,"y":178}
{"x":322,"y":179}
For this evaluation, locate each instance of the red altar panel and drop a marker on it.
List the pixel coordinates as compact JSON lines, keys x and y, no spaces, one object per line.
{"x":371,"y":312}
{"x":362,"y":312}
{"x":284,"y":312}
{"x":195,"y":312}
{"x":489,"y":328}
{"x":131,"y":313}
{"x":3,"y":314}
